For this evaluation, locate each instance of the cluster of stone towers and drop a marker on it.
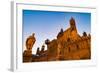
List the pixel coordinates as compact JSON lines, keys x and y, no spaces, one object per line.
{"x":68,"y":45}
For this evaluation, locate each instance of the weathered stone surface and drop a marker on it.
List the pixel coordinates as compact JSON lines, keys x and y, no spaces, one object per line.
{"x":69,"y":45}
{"x":27,"y":55}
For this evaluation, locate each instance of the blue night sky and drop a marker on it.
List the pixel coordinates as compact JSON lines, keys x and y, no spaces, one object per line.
{"x":47,"y":24}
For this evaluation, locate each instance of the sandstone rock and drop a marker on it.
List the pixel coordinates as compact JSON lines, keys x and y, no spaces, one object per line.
{"x":69,"y":45}
{"x":27,"y":55}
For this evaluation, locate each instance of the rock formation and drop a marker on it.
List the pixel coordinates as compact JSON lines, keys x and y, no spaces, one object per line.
{"x":68,"y":45}
{"x":27,"y":55}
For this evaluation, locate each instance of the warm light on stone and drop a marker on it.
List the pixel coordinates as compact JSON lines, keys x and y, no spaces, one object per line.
{"x":69,"y":45}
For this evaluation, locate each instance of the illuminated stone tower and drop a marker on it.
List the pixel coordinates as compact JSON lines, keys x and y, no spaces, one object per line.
{"x":73,"y":24}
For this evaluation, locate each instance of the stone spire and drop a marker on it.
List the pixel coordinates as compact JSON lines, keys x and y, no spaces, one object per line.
{"x":27,"y":55}
{"x":73,"y":24}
